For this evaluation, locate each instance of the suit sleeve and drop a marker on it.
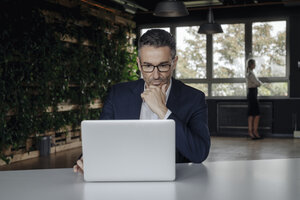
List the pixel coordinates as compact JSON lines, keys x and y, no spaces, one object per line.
{"x":193,"y":138}
{"x":108,"y":108}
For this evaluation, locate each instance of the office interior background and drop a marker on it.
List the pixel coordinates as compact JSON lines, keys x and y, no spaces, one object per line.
{"x":59,"y":58}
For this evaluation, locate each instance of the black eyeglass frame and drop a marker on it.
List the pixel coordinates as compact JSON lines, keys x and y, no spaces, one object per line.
{"x":157,"y":66}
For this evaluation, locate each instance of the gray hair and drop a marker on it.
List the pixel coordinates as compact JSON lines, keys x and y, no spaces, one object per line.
{"x":157,"y":38}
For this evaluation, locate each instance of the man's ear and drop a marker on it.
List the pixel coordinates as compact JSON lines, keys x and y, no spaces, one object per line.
{"x":140,"y":67}
{"x":139,"y":63}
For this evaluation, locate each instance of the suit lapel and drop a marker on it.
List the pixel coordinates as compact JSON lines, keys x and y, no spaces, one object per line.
{"x":172,"y":102}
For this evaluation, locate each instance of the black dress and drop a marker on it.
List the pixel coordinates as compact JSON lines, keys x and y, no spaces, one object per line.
{"x":253,"y":107}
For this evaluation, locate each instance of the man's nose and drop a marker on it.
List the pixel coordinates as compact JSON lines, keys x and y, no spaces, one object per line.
{"x":155,"y":73}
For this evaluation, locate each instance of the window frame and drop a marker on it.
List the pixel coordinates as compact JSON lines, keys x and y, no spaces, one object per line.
{"x":209,"y":80}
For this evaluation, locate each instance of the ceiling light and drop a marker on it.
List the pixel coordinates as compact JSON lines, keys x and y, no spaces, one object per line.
{"x":129,"y":6}
{"x":129,"y":9}
{"x":170,"y":8}
{"x":193,"y":4}
{"x":211,"y":27}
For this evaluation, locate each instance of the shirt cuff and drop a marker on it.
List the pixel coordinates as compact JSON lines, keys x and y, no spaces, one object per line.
{"x":167,"y":114}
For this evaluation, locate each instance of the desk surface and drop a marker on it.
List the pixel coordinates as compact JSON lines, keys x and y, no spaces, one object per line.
{"x":230,"y":180}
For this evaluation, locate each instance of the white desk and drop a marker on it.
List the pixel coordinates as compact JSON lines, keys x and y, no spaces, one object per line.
{"x":230,"y":180}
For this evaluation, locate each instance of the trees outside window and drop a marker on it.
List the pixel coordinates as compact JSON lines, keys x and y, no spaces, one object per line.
{"x":191,"y":51}
{"x":269,"y":51}
{"x":269,"y":48}
{"x":216,"y":64}
{"x":229,"y":52}
{"x":228,"y":89}
{"x":200,"y":86}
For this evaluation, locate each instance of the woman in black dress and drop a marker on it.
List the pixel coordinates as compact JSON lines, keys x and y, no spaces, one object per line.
{"x":253,"y":108}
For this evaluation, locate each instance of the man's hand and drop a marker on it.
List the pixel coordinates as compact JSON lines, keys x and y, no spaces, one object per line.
{"x":79,"y":166}
{"x":155,"y":97}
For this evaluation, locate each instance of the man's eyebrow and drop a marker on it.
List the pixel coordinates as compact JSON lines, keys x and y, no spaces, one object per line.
{"x":164,"y":62}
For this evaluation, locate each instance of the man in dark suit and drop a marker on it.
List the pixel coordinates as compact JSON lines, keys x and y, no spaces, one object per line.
{"x":159,"y":96}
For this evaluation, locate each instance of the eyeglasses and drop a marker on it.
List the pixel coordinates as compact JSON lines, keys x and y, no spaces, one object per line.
{"x":148,"y":68}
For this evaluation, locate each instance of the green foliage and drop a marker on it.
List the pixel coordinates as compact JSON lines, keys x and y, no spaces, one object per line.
{"x":39,"y":69}
{"x":269,"y":50}
{"x":269,"y":89}
{"x":229,"y":89}
{"x":230,"y":44}
{"x":229,"y":52}
{"x":192,"y":58}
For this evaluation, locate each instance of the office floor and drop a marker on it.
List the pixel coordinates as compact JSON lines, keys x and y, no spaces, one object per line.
{"x":222,"y":149}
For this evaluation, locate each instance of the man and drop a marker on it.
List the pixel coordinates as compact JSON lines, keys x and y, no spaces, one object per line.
{"x":159,"y":96}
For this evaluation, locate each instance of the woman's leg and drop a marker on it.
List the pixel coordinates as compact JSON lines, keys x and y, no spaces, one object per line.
{"x":250,"y":124}
{"x":256,"y":122}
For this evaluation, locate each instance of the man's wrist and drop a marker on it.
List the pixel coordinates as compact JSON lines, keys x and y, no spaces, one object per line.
{"x":168,"y":114}
{"x":163,"y":112}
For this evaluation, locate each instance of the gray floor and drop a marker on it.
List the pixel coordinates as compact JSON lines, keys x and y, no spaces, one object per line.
{"x":222,"y":149}
{"x":228,"y":148}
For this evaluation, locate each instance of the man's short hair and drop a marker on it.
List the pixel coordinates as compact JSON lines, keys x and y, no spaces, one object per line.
{"x":158,"y":38}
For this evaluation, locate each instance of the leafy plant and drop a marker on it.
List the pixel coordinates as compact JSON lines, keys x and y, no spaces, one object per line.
{"x":40,"y":67}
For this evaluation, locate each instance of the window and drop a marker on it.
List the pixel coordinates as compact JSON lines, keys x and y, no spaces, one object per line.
{"x":229,"y":52}
{"x":269,"y":48}
{"x":228,"y":89}
{"x":273,"y":89}
{"x":191,"y":51}
{"x":200,"y":86}
{"x":229,"y":61}
{"x":216,"y":64}
{"x":269,"y":51}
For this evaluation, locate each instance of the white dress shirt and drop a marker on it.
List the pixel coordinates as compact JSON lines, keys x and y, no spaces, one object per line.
{"x":252,"y":81}
{"x":146,"y":112}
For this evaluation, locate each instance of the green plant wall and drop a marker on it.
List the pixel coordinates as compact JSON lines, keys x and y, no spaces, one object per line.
{"x":38,"y":68}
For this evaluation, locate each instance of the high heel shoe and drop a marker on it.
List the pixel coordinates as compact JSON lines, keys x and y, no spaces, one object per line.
{"x":252,"y":136}
{"x":257,"y":136}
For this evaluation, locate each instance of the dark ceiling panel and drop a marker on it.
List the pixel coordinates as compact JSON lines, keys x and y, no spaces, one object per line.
{"x":150,"y":4}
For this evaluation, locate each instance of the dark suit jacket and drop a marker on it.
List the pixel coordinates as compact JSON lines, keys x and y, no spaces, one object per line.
{"x":189,"y":111}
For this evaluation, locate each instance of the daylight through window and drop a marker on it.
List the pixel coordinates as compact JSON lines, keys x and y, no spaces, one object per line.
{"x":216,"y":64}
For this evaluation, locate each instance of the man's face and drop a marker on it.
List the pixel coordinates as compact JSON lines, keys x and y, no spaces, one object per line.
{"x":155,"y":56}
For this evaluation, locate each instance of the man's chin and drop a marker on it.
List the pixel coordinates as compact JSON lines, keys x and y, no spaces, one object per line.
{"x":157,"y":84}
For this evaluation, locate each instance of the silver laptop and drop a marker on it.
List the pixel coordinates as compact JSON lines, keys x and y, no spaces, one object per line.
{"x":128,"y":150}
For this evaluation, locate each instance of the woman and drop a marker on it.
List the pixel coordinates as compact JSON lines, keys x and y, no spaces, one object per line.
{"x":253,"y":107}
